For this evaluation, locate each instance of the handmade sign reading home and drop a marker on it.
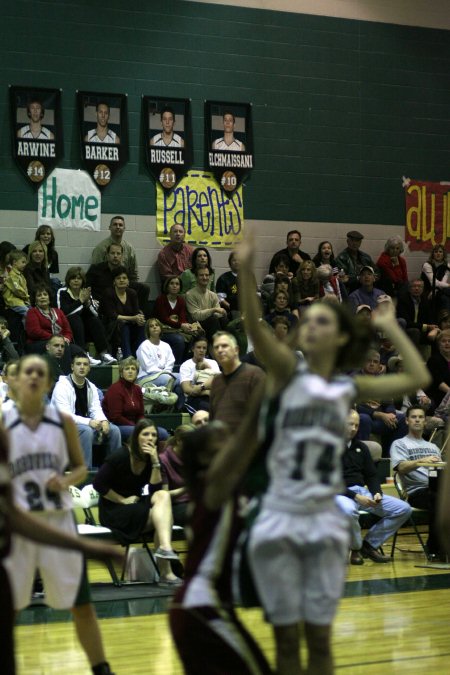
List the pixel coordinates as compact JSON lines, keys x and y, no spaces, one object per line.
{"x":69,"y":199}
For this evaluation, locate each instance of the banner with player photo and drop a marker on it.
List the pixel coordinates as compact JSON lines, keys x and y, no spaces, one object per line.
{"x":427,"y":220}
{"x":103,"y":123}
{"x":229,"y":142}
{"x":210,"y":216}
{"x":36,"y":130}
{"x":168,"y":138}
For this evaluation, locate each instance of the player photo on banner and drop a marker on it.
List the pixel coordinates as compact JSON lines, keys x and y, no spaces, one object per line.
{"x":168,"y":138}
{"x":103,"y":133}
{"x":36,"y":130}
{"x":229,"y":142}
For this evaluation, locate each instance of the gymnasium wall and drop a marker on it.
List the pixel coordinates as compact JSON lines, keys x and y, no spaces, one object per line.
{"x":342,"y":109}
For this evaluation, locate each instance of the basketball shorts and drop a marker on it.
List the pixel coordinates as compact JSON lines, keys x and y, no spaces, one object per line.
{"x":299,"y":564}
{"x":6,"y":625}
{"x":62,"y":571}
{"x":213,"y":641}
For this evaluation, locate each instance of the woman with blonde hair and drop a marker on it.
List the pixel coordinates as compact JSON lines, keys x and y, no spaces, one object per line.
{"x":123,"y":403}
{"x":36,"y":270}
{"x":155,"y":357}
{"x":307,"y":283}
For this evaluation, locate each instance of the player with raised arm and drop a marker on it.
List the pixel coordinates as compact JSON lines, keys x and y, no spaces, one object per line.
{"x":298,"y":544}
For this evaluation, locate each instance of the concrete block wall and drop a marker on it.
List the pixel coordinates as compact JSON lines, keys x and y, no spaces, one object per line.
{"x":75,"y":246}
{"x":342,"y":109}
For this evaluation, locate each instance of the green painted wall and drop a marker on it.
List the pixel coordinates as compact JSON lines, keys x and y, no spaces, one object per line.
{"x":341,"y":108}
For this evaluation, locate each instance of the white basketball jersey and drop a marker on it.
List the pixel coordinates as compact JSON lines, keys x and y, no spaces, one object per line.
{"x":308,"y":439}
{"x":234,"y":146}
{"x":43,"y":135}
{"x":33,"y":457}
{"x":110,"y":137}
{"x":176,"y":141}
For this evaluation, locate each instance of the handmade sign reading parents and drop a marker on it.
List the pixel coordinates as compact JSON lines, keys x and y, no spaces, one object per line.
{"x":211,"y":216}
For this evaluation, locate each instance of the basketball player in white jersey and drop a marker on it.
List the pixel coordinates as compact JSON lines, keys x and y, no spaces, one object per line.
{"x":228,"y":141}
{"x":34,"y":129}
{"x":102,"y":133}
{"x":167,"y":138}
{"x":43,"y":443}
{"x":298,"y":544}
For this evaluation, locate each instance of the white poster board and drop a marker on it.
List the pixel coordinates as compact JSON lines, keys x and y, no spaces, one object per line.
{"x":69,"y":199}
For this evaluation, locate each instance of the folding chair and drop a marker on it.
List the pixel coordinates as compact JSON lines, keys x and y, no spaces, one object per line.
{"x":411,"y":521}
{"x":87,"y":499}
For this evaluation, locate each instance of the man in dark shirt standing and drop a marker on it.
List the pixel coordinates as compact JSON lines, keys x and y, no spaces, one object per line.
{"x":359,"y":471}
{"x":231,"y":390}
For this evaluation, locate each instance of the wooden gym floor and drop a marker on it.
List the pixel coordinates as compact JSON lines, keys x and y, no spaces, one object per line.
{"x":394,"y":619}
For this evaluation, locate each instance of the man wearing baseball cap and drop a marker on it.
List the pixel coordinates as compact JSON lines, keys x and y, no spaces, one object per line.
{"x":366,"y":293}
{"x":351,"y":259}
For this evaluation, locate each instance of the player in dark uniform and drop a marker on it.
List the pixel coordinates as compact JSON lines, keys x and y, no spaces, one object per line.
{"x":14,"y":520}
{"x":208,"y":635}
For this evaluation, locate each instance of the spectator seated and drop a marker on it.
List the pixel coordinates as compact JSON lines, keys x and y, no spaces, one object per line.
{"x":125,"y":320}
{"x":132,"y":499}
{"x":196,"y":376}
{"x":170,"y":310}
{"x":75,"y":395}
{"x":81,"y":310}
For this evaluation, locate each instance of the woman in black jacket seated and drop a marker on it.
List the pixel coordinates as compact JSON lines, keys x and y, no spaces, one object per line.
{"x":132,"y":499}
{"x":77,"y":303}
{"x":46,"y":236}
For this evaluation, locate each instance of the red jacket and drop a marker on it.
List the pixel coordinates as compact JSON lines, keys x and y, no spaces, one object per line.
{"x":38,"y":327}
{"x":123,"y":403}
{"x":397,"y":274}
{"x":163,"y":311}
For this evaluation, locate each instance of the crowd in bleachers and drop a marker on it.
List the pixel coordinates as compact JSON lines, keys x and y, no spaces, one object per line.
{"x":106,"y":308}
{"x":103,"y":314}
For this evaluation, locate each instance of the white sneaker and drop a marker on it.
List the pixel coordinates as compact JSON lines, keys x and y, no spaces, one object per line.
{"x":108,"y":359}
{"x":92,"y":361}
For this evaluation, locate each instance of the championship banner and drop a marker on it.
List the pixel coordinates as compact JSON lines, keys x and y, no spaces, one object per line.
{"x":229,"y":142}
{"x":69,"y":199}
{"x":210,"y":216}
{"x":36,"y":130}
{"x":427,"y":214}
{"x":167,"y":133}
{"x":103,"y":134}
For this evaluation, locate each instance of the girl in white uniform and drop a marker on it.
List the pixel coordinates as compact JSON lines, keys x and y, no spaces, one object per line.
{"x":43,"y":445}
{"x":299,"y":542}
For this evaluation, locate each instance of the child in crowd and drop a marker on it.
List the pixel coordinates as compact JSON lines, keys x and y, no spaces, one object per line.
{"x":16,"y":294}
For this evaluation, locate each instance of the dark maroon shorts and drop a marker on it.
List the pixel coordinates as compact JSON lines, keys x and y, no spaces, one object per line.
{"x":213,"y":641}
{"x":6,"y":625}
